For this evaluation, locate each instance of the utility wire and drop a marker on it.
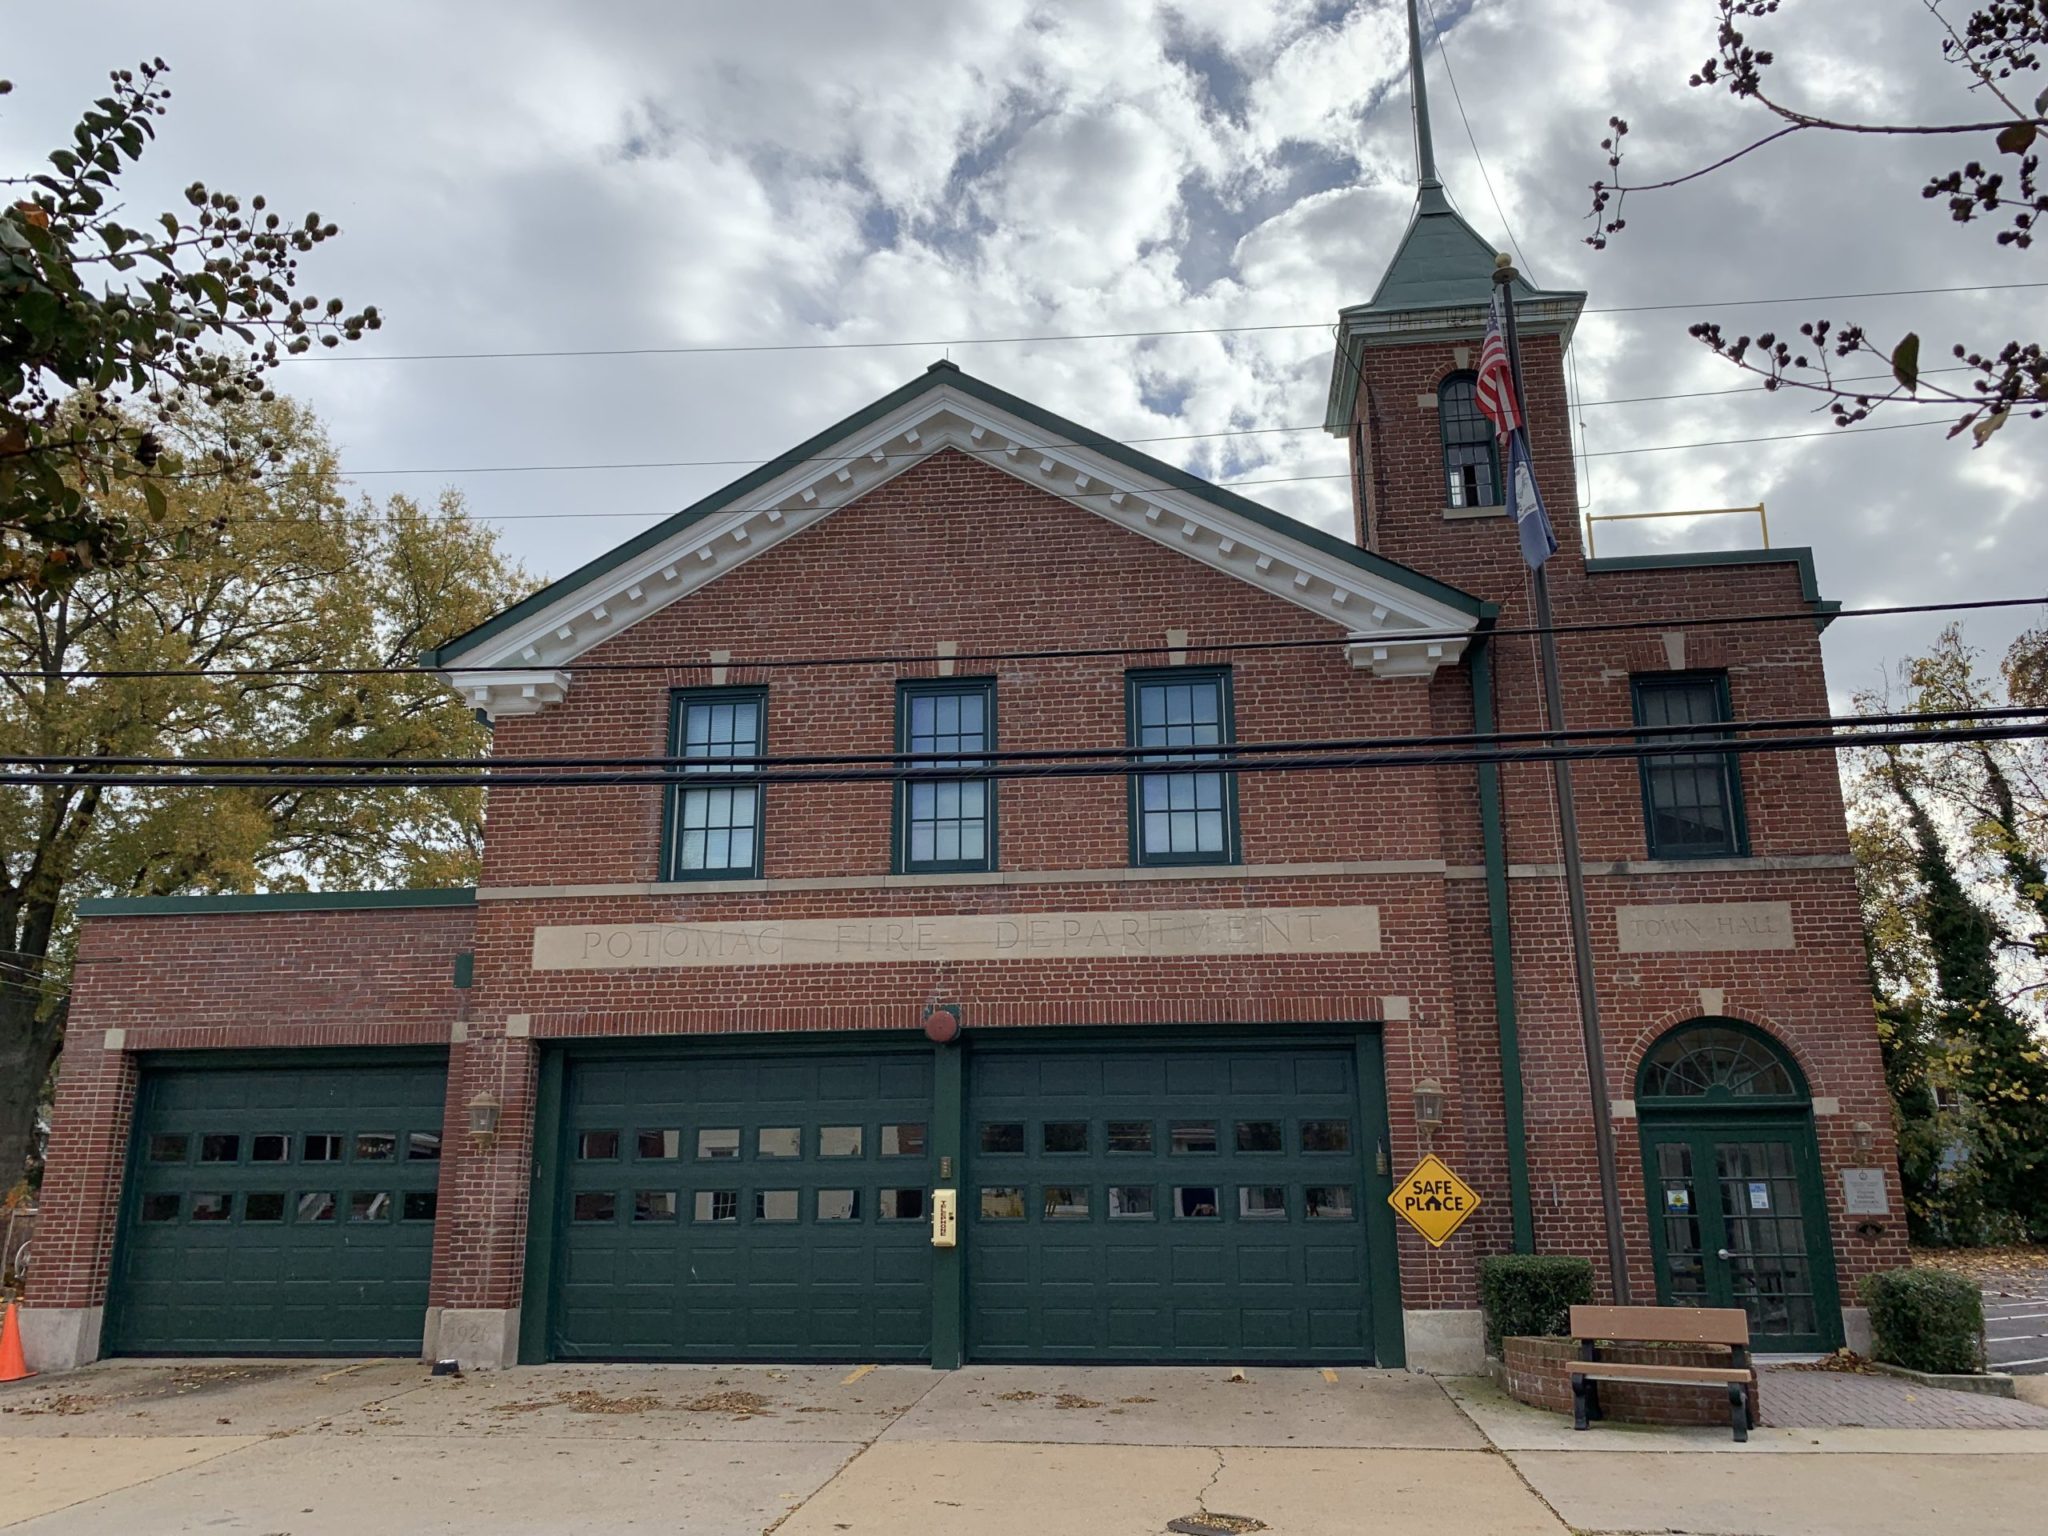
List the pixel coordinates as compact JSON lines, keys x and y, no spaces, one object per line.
{"x":344,"y":355}
{"x":1066,"y":653}
{"x":1432,"y":758}
{"x":1218,"y":757}
{"x":1065,"y":495}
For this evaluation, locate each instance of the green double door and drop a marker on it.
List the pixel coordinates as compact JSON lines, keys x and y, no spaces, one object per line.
{"x":1738,"y":1219}
{"x":280,"y":1210}
{"x":729,"y":1207}
{"x":1167,"y":1204}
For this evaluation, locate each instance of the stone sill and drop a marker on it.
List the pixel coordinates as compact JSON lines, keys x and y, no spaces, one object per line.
{"x":1459,"y":514}
{"x":1003,"y":877}
{"x":1763,"y":864}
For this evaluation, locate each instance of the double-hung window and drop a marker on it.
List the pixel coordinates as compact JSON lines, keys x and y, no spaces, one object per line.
{"x":1186,"y":814}
{"x":1471,"y":459}
{"x":715,"y":823}
{"x":945,"y":824}
{"x":1692,"y":800}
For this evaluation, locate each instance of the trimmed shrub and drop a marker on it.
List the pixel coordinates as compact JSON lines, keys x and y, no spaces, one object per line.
{"x":1926,"y":1320}
{"x":1531,"y":1293}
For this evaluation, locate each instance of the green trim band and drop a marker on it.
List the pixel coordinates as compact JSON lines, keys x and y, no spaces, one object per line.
{"x":1493,"y":831}
{"x":274,"y":901}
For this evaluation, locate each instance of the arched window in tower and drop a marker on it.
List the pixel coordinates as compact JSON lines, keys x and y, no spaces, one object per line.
{"x":1471,"y":462}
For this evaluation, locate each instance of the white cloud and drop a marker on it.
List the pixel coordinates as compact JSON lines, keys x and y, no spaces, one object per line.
{"x":549,"y":175}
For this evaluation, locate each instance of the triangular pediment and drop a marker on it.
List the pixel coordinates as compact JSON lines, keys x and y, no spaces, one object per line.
{"x":1403,"y":623}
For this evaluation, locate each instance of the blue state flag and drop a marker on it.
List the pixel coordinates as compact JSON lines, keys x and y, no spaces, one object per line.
{"x":1532,"y":523}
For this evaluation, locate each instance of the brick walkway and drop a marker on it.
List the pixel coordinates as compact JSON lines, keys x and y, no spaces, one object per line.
{"x":1835,"y":1399}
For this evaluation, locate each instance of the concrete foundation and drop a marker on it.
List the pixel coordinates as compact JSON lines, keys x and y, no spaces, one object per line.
{"x":1445,"y":1342}
{"x":60,"y":1338}
{"x":1856,"y":1329}
{"x":476,"y":1338}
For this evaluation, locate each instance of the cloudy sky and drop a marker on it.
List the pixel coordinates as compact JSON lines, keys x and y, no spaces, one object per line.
{"x":554,"y":176}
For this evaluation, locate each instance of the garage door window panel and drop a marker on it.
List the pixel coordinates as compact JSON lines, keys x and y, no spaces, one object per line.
{"x":903,"y":1140}
{"x":594,"y":1205}
{"x":1002,"y":1202}
{"x":1329,"y":1202}
{"x":376,"y":1146}
{"x":212,"y":1207}
{"x":320,"y":1147}
{"x":1196,"y":1202}
{"x":597,"y":1147}
{"x":715,"y":1206}
{"x":719,"y":1145}
{"x":270,"y":1149}
{"x":901,"y":1205}
{"x":1132,"y":1202}
{"x":169,"y":1149}
{"x":369,"y":1205}
{"x":419,"y":1205}
{"x":838,"y":1205}
{"x":315,"y":1205}
{"x":839,"y":1141}
{"x":423,"y":1147}
{"x":1002,"y":1138}
{"x":262,"y":1205}
{"x":773,"y":1141}
{"x":777,"y":1204}
{"x":220,"y":1148}
{"x":654,"y":1205}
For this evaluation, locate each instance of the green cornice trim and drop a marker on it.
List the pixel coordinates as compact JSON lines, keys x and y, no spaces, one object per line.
{"x":939,"y":376}
{"x":1794,"y":554}
{"x":273,"y":901}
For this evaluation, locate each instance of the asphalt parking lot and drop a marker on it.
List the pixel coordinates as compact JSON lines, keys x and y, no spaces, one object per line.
{"x":2016,"y":1323}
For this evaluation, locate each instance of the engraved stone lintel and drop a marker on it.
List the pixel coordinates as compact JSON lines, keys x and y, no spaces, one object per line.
{"x":1107,"y":935}
{"x":1704,"y":928}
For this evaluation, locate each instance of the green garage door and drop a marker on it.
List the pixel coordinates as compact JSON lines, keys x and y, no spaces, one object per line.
{"x":719,"y":1207}
{"x":279,"y":1211}
{"x":1180,"y":1204}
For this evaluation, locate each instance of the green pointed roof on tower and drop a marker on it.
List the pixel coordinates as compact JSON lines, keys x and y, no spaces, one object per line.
{"x":1441,"y":278}
{"x":1441,"y":263}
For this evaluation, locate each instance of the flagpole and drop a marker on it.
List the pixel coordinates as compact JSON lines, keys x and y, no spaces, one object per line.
{"x":1574,"y":873}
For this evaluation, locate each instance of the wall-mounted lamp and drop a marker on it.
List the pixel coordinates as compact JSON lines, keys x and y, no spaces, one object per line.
{"x":1429,"y":1106}
{"x":1863,"y":1139}
{"x":483,"y":1117}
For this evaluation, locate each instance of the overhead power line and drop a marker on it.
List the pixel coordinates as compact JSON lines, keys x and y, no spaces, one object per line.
{"x":620,"y":779}
{"x":343,"y":355}
{"x":1222,"y":757}
{"x":643,"y":464}
{"x":1052,"y":653}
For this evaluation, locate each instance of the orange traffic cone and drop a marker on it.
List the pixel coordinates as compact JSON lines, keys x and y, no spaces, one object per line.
{"x":12,"y":1366}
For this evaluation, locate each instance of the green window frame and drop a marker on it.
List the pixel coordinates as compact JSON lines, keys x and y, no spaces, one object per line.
{"x":945,"y":826}
{"x":1692,"y":801}
{"x":1471,"y":453}
{"x":1185,"y":816}
{"x":714,"y":826}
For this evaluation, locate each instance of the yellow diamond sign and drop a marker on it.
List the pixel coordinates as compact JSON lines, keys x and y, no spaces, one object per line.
{"x":1434,"y":1200}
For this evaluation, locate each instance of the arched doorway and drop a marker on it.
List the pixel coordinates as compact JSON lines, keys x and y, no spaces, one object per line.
{"x":1738,"y":1211}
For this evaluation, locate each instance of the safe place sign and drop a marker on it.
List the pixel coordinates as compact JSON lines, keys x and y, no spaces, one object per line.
{"x":1434,"y":1200}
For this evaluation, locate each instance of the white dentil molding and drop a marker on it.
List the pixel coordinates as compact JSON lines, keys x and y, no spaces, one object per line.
{"x":530,"y":666}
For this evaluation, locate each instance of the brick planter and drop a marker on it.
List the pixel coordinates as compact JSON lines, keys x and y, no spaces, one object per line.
{"x":1534,"y":1371}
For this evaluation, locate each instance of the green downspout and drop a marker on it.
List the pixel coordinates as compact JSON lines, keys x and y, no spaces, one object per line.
{"x":1493,"y":830}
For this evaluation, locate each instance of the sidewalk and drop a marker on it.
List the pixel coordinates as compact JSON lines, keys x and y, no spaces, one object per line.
{"x":335,"y":1449}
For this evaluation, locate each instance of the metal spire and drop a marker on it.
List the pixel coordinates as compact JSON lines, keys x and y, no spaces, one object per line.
{"x":1425,"y":149}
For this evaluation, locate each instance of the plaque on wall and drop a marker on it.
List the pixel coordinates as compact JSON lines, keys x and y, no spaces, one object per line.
{"x":1864,"y":1193}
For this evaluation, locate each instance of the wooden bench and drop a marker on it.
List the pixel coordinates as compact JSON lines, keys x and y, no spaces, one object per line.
{"x":1661,"y":1325}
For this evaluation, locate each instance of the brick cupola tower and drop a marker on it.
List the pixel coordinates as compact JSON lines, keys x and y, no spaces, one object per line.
{"x":1425,"y":474}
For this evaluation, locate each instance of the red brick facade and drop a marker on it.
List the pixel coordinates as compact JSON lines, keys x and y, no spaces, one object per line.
{"x":955,"y":550}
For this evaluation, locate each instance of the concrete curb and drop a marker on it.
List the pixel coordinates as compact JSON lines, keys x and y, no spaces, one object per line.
{"x":1989,"y":1384}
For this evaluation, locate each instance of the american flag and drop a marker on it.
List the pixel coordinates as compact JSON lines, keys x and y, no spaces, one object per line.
{"x":1494,"y":390}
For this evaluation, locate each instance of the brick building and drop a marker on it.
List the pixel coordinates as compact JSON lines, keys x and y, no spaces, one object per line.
{"x":674,"y":1081}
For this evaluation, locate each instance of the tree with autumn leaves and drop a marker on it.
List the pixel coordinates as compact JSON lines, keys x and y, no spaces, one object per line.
{"x":1951,"y":841}
{"x":236,"y":620}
